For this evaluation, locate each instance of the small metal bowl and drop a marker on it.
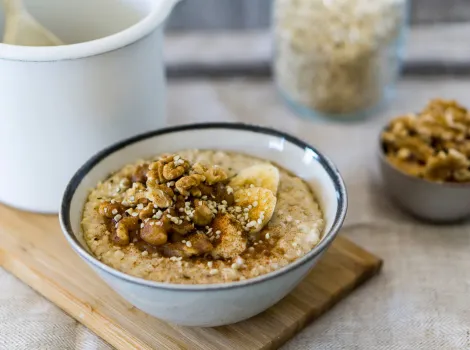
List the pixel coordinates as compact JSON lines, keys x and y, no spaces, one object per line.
{"x":430,"y":201}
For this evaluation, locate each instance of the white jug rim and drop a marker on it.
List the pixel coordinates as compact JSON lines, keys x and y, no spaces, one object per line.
{"x":94,"y":47}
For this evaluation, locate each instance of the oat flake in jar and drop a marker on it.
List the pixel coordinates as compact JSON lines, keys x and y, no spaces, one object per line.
{"x":337,"y":58}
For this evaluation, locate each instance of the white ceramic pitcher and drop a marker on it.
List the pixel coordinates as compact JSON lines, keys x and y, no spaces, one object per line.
{"x":61,"y":104}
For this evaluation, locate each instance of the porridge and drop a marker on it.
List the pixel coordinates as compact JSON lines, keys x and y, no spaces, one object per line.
{"x":201,"y":216}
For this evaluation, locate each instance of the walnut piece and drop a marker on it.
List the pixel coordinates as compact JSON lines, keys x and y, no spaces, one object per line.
{"x":146,"y":212}
{"x":221,"y":194}
{"x":198,"y":245}
{"x":195,"y":192}
{"x":175,"y":169}
{"x":175,"y":249}
{"x":160,"y":195}
{"x":206,"y":190}
{"x":134,"y":195}
{"x":155,"y":172}
{"x":215,"y":174}
{"x":121,"y":235}
{"x":202,"y":213}
{"x":110,"y":210}
{"x":182,"y":228}
{"x":198,"y":168}
{"x":443,"y":166}
{"x":156,"y":169}
{"x":186,"y":183}
{"x":434,"y":144}
{"x":154,"y":233}
{"x":140,"y":174}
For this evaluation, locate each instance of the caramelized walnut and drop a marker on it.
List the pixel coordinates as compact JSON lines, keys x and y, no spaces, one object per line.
{"x":110,"y":210}
{"x":175,"y":237}
{"x":202,"y":213}
{"x":140,"y":174}
{"x":154,"y":233}
{"x":134,"y":195}
{"x":195,"y":192}
{"x":201,"y":244}
{"x":179,"y":204}
{"x":143,"y":200}
{"x":206,"y":190}
{"x":198,"y":244}
{"x":144,"y":246}
{"x":182,"y":228}
{"x":215,"y":174}
{"x":174,"y":224}
{"x":121,"y":235}
{"x":147,"y":212}
{"x":221,"y":194}
{"x":175,"y":249}
{"x":198,"y":168}
{"x":160,"y":195}
{"x":186,"y":183}
{"x":156,"y":169}
{"x":155,"y":173}
{"x":175,"y":169}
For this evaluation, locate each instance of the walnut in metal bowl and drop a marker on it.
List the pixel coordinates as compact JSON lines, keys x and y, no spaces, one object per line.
{"x":425,"y":161}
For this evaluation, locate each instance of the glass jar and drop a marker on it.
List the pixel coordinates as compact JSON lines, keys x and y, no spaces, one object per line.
{"x":337,"y":58}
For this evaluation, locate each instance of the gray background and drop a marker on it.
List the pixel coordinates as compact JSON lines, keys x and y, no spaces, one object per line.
{"x":255,"y":14}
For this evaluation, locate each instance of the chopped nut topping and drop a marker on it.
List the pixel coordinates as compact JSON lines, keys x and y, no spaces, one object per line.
{"x":153,"y":233}
{"x":109,"y":210}
{"x":174,"y":209}
{"x":160,"y":195}
{"x":140,"y":174}
{"x":202,"y":214}
{"x":121,"y":234}
{"x":214,"y":175}
{"x":146,"y":212}
{"x":197,"y":245}
{"x":434,"y":144}
{"x":187,"y":183}
{"x":174,"y":170}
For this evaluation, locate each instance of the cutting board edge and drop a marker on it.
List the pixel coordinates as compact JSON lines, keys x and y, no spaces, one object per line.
{"x":91,"y":318}
{"x":62,"y":299}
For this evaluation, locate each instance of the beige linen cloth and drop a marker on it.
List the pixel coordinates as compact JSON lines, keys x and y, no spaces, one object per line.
{"x":421,"y":300}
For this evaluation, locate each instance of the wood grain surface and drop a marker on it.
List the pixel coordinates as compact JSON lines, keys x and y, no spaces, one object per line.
{"x":32,"y":248}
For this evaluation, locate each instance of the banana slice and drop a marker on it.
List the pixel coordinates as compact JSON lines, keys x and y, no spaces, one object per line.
{"x":258,"y":207}
{"x":259,"y":175}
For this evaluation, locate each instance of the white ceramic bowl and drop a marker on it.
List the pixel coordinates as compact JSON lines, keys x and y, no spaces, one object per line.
{"x":214,"y":304}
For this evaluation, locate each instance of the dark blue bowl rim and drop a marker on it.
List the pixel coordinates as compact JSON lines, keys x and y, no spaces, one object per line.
{"x":326,"y":163}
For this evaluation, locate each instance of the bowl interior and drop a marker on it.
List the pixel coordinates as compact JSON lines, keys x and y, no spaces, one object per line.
{"x":289,"y":153}
{"x":75,"y":21}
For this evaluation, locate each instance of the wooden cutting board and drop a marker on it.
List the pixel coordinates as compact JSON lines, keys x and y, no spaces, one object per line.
{"x":32,"y":248}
